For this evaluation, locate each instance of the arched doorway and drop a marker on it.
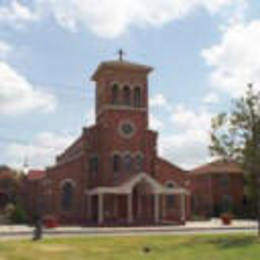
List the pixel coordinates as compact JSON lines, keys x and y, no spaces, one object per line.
{"x":143,"y":203}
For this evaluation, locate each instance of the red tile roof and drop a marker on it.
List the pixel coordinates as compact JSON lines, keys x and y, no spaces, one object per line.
{"x":219,"y":166}
{"x":7,"y":173}
{"x":36,"y":175}
{"x":116,"y":64}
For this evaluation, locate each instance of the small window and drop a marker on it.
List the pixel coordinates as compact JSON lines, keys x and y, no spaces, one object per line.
{"x":67,"y":196}
{"x":93,"y":165}
{"x":170,"y":201}
{"x":127,"y":96}
{"x":128,"y":163}
{"x":115,"y":91}
{"x":137,"y":97}
{"x":139,"y":161}
{"x":116,"y":163}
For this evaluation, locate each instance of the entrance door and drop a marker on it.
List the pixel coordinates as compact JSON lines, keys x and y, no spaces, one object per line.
{"x":143,"y":203}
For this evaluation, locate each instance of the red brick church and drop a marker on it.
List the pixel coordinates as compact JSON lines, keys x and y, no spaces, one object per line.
{"x":112,"y":173}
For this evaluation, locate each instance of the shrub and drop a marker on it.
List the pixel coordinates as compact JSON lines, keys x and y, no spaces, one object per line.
{"x":18,"y":216}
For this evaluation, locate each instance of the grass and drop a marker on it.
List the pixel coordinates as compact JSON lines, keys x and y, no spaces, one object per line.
{"x":202,"y":247}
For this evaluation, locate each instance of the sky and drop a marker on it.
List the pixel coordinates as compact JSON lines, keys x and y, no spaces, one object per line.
{"x":204,"y":54}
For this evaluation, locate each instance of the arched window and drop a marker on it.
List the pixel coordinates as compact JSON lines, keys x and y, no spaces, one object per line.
{"x":115,"y":91}
{"x":139,"y":162}
{"x":128,"y":162}
{"x":127,"y":96}
{"x":170,"y":185}
{"x":137,"y":97}
{"x":67,"y":196}
{"x":170,"y":201}
{"x":116,"y":163}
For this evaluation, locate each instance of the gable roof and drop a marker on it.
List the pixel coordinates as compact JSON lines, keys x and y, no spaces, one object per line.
{"x":127,"y":187}
{"x":176,"y":167}
{"x":219,"y":166}
{"x":120,"y":65}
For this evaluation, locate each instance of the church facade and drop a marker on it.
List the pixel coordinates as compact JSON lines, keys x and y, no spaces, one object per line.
{"x":112,"y":174}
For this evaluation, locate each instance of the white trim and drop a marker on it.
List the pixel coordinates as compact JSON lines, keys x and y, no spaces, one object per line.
{"x":113,"y":83}
{"x":120,"y":107}
{"x":128,"y":187}
{"x":116,"y":152}
{"x":67,"y":180}
{"x":171,"y":182}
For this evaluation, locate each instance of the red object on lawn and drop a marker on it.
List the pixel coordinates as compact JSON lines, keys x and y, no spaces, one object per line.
{"x":51,"y":222}
{"x":226,"y":219}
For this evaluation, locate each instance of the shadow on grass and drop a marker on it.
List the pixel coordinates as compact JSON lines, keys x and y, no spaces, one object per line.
{"x":228,"y":242}
{"x":233,"y":242}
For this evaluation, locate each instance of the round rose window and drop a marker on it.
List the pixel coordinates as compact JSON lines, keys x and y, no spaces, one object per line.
{"x":127,"y":129}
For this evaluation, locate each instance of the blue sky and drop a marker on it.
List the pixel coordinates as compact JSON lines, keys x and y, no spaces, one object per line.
{"x":204,"y":53}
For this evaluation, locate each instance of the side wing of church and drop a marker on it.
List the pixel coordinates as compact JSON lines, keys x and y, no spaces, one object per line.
{"x":112,"y":175}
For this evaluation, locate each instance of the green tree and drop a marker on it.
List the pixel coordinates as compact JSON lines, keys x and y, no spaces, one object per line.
{"x":18,"y":214}
{"x":236,"y":136}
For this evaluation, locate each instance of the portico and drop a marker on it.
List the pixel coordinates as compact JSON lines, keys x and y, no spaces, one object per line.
{"x":144,"y":200}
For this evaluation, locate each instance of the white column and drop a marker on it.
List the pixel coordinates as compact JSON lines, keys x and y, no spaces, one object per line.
{"x":183,"y":207}
{"x":100,"y":208}
{"x":156,"y":207}
{"x":89,"y":206}
{"x":163,"y":206}
{"x":139,"y":205}
{"x":129,"y":208}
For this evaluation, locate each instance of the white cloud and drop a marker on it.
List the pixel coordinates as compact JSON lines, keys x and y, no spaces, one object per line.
{"x":211,"y":98}
{"x":236,"y":13}
{"x":187,"y":147}
{"x":17,"y":95}
{"x":235,"y":59}
{"x":41,"y":152}
{"x":108,"y":18}
{"x":185,"y":118}
{"x":159,"y":100}
{"x":155,"y":123}
{"x":91,"y":116}
{"x":5,"y":49}
{"x":16,"y":14}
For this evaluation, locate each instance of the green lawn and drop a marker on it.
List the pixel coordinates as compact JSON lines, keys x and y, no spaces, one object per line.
{"x":202,"y":247}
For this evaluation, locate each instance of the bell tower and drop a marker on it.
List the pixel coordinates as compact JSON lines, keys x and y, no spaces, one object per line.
{"x":126,"y":147}
{"x":121,"y":86}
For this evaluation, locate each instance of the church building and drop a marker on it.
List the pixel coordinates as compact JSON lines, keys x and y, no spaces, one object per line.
{"x":112,"y":174}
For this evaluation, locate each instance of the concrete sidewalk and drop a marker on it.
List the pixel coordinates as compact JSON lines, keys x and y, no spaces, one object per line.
{"x":191,"y":225}
{"x":213,"y":225}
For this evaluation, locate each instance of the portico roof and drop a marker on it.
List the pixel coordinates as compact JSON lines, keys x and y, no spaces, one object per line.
{"x":127,"y":187}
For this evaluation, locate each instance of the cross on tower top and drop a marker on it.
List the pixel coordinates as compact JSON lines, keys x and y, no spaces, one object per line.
{"x":121,"y":54}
